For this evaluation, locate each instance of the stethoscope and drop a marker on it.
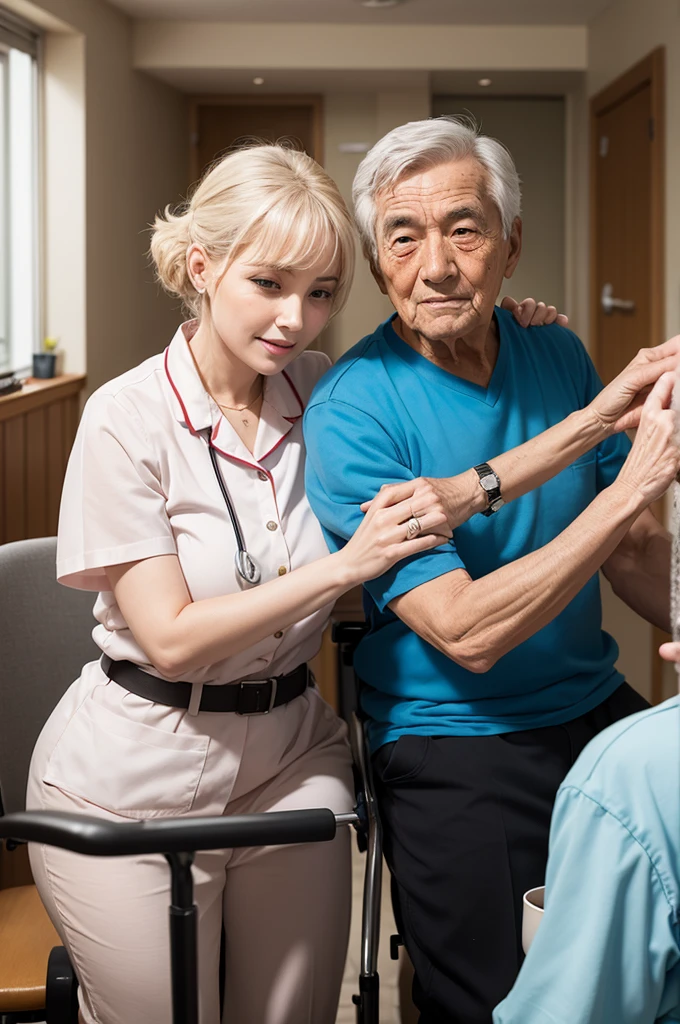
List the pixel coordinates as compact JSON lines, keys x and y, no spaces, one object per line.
{"x":246,"y":566}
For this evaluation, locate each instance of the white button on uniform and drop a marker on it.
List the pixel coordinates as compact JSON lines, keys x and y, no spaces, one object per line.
{"x":271,"y":525}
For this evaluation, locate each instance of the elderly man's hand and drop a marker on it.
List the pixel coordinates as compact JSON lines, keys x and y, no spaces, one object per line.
{"x":618,"y":406}
{"x":654,"y":460}
{"x":529,"y":313}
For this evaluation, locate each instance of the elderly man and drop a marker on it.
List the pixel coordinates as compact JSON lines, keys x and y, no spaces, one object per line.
{"x":486,"y":670}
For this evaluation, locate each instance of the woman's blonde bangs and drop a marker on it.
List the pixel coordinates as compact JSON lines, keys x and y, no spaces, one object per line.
{"x":294,"y":233}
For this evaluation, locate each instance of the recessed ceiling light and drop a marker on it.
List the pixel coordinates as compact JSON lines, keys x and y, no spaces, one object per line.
{"x":258,"y":81}
{"x":484,"y":81}
{"x":381,"y":3}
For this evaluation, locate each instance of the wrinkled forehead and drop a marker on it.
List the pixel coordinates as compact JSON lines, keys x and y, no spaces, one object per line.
{"x":434,"y":192}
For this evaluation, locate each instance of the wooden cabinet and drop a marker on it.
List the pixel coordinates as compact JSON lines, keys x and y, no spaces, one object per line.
{"x":37,"y":428}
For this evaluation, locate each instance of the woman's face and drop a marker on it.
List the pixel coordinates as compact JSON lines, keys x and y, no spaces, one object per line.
{"x":266,"y":316}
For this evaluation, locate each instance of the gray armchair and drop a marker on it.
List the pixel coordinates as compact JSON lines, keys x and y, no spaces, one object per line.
{"x":45,"y":639}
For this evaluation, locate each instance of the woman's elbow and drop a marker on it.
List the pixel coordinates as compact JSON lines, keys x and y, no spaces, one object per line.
{"x":169,"y":660}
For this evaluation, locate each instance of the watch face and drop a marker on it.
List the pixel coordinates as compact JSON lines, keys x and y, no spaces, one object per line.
{"x":489,"y":482}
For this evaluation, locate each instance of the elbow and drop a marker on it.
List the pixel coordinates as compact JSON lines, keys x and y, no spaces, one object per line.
{"x":472,"y":654}
{"x":169,"y":660}
{"x":615,"y":571}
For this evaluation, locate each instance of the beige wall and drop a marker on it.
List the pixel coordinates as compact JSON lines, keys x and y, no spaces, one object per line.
{"x":116,"y":150}
{"x":518,"y":123}
{"x":194,"y":44}
{"x":358,"y":117}
{"x":620,"y":37}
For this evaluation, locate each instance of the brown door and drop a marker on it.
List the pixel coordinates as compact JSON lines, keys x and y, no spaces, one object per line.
{"x":220,"y":123}
{"x":626,"y":276}
{"x":626,"y":280}
{"x":623,"y":281}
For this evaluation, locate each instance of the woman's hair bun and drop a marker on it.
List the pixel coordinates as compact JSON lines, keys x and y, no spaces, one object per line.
{"x":169,"y":242}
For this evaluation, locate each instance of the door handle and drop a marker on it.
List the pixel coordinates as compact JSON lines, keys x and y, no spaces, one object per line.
{"x":609,"y":303}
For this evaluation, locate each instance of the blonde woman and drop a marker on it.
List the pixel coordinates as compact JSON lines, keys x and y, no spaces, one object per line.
{"x":263,"y":255}
{"x":184,"y":508}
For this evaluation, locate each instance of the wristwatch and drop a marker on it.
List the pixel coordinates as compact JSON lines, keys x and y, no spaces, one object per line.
{"x":492,"y":485}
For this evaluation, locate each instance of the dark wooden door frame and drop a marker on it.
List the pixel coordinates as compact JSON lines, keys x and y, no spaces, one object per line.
{"x":651,"y":71}
{"x":263,"y":100}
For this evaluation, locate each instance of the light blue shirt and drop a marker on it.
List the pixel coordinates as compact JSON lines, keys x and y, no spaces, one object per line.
{"x":608,"y":948}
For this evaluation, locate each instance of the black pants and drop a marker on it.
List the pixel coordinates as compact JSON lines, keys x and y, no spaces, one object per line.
{"x":466,"y":822}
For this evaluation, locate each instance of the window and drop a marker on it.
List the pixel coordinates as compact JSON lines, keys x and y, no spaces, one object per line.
{"x":19,"y":260}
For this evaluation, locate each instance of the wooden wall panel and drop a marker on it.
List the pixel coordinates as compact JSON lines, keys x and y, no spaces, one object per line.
{"x":36,"y":476}
{"x":71,"y":408}
{"x":2,"y":482}
{"x":55,"y":462}
{"x":15,"y":478}
{"x":37,"y":429}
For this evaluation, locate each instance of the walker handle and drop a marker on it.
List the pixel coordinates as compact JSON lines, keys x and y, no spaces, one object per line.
{"x":96,"y":837}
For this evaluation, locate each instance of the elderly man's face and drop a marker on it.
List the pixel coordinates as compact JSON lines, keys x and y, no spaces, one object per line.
{"x":442,"y":254}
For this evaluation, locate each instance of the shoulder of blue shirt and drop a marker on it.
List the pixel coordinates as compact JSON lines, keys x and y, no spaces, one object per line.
{"x":362,"y":364}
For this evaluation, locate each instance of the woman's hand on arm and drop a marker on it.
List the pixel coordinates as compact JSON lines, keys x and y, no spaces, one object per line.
{"x":179,"y":635}
{"x":475,"y":622}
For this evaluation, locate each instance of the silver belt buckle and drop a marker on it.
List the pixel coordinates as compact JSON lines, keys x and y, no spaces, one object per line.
{"x":259,"y":682}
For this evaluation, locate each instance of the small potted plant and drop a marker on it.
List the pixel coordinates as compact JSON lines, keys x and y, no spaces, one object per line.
{"x":44,"y":363}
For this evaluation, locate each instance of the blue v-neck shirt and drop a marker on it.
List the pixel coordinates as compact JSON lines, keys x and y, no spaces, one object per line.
{"x":384,"y":414}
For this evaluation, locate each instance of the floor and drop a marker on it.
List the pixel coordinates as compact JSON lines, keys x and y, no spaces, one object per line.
{"x":388,"y":969}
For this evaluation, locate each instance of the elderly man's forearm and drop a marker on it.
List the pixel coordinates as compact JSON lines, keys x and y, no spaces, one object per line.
{"x":490,"y":616}
{"x":525,"y":467}
{"x":531,"y":464}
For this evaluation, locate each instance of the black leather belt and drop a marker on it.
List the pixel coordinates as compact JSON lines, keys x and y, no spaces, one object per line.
{"x":247,"y":698}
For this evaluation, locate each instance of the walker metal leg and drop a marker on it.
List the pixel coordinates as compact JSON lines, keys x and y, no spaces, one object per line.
{"x":368,"y":1000}
{"x":183,"y":940}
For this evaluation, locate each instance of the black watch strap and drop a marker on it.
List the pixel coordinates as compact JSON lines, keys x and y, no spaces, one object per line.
{"x":491,"y":484}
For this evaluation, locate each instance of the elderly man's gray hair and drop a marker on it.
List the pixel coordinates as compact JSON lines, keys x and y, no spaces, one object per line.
{"x":420,"y":144}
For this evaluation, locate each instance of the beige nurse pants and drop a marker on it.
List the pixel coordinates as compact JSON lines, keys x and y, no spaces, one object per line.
{"x":286,"y":910}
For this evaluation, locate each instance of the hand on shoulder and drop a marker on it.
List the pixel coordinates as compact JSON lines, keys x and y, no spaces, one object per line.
{"x":530,"y":313}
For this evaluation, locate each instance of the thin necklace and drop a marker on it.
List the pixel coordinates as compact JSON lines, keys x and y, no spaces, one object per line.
{"x":244,"y":408}
{"x":239,"y":408}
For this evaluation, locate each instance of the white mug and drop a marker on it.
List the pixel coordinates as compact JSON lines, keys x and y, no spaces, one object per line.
{"x":532,"y":914}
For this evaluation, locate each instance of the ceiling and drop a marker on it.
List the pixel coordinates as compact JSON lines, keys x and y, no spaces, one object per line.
{"x":455,"y":83}
{"x":421,"y":12}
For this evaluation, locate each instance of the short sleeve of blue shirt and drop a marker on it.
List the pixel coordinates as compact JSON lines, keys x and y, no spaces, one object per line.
{"x":357,"y":457}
